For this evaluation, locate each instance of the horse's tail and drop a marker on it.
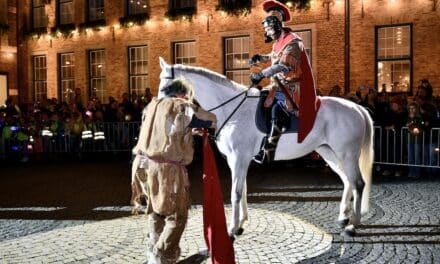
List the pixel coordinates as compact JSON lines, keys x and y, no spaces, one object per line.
{"x":366,"y":160}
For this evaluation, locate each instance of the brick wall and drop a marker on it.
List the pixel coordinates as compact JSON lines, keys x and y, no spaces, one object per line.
{"x":158,"y":34}
{"x":426,"y":38}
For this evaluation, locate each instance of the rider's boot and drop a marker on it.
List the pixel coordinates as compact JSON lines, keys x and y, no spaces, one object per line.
{"x":267,"y":151}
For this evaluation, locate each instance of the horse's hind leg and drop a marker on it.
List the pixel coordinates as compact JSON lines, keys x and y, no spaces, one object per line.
{"x":345,"y":206}
{"x":351,"y":167}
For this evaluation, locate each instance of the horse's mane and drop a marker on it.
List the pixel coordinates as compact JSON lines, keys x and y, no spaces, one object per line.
{"x":213,"y":76}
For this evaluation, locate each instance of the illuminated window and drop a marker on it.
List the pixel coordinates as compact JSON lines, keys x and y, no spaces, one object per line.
{"x":65,"y":12}
{"x":38,"y":14}
{"x":96,"y":10}
{"x":67,"y":76}
{"x":306,"y":36}
{"x":97,"y":79}
{"x":138,"y":69}
{"x":394,"y":58}
{"x":40,"y":77}
{"x":185,"y":52}
{"x":136,"y":7}
{"x":236,"y":51}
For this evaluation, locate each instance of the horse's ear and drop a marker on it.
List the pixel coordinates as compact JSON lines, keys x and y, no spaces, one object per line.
{"x":162,"y":63}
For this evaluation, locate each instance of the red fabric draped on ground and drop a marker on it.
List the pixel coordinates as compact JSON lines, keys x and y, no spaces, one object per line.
{"x":214,"y":221}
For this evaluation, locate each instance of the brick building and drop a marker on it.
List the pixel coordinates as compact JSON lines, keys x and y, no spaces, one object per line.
{"x":8,"y":50}
{"x":106,"y":48}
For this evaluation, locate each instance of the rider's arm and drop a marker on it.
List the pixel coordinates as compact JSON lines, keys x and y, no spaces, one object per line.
{"x":290,"y":60}
{"x":264,"y":57}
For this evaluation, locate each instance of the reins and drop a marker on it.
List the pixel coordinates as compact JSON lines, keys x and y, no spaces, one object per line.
{"x":223,"y":104}
{"x":233,"y":112}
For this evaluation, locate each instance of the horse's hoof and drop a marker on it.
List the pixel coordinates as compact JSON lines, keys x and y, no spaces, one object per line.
{"x":349,"y":231}
{"x":342,"y":223}
{"x":239,"y":231}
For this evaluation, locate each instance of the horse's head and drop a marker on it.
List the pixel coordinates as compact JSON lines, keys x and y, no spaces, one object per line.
{"x":166,"y":75}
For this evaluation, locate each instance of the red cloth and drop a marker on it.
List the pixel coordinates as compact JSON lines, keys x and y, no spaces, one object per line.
{"x":308,"y":102}
{"x":214,"y":222}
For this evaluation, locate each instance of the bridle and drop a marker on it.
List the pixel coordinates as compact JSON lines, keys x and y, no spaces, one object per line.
{"x":245,"y":93}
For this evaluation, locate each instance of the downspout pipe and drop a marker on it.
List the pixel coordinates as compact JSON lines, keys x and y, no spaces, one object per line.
{"x":347,"y":48}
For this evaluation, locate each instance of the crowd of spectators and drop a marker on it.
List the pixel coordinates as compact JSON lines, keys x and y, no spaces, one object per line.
{"x":418,"y":115}
{"x":31,"y":122}
{"x":58,"y":120}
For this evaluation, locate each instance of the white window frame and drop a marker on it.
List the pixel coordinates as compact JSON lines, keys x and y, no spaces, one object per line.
{"x":185,"y":52}
{"x":138,"y":77}
{"x":240,"y":71}
{"x":39,"y":72}
{"x":66,"y":12}
{"x":39,"y":19}
{"x":67,"y":76}
{"x":96,"y":11}
{"x":97,"y":75}
{"x":394,"y":58}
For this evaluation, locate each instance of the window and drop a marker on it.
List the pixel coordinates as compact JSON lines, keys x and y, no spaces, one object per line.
{"x":96,"y":10}
{"x":39,"y":14}
{"x":138,"y":69}
{"x":185,"y":52}
{"x":3,"y":12}
{"x":236,"y":59}
{"x":306,"y":36}
{"x":136,"y":7}
{"x":182,"y":4}
{"x":67,"y":76}
{"x":40,"y":77}
{"x":394,"y":58}
{"x":65,"y":12}
{"x":97,"y":75}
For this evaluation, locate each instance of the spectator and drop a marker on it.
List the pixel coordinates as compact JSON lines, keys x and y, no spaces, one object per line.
{"x":415,"y":134}
{"x":335,"y":91}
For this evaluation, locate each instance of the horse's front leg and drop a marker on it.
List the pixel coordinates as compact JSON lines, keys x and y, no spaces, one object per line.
{"x":238,"y":174}
{"x":243,"y":209}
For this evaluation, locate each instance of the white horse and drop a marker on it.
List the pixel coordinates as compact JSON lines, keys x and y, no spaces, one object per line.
{"x":342,"y":135}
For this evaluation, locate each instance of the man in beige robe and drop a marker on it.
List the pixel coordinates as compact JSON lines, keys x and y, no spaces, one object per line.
{"x":166,"y":141}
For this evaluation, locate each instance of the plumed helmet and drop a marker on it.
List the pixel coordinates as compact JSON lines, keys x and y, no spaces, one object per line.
{"x":277,"y":9}
{"x":277,"y":13}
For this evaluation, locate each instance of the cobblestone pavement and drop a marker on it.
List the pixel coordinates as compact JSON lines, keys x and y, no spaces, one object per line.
{"x":288,"y":223}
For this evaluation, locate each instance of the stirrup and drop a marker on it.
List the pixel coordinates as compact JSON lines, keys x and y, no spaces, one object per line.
{"x":264,"y":156}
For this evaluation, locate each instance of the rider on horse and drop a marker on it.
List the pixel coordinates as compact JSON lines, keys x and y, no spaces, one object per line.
{"x":289,"y":69}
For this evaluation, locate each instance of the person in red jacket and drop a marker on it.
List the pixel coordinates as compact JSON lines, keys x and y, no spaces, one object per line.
{"x":290,"y":72}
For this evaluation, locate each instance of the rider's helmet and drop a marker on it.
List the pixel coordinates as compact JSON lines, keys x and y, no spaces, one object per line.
{"x":277,"y":14}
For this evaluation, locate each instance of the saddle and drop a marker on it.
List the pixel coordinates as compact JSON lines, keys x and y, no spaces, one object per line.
{"x":263,"y":117}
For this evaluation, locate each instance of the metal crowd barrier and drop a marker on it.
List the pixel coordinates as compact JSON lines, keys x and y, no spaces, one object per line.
{"x":103,"y":137}
{"x":393,"y":147}
{"x":407,"y":148}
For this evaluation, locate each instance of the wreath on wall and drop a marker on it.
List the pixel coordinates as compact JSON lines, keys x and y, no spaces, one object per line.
{"x":66,"y":30}
{"x":297,"y":4}
{"x":235,"y":8}
{"x":137,"y":19}
{"x":178,"y":13}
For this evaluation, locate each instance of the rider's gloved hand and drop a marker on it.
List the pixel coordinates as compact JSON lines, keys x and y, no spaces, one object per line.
{"x":256,"y":77}
{"x":255,"y":59}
